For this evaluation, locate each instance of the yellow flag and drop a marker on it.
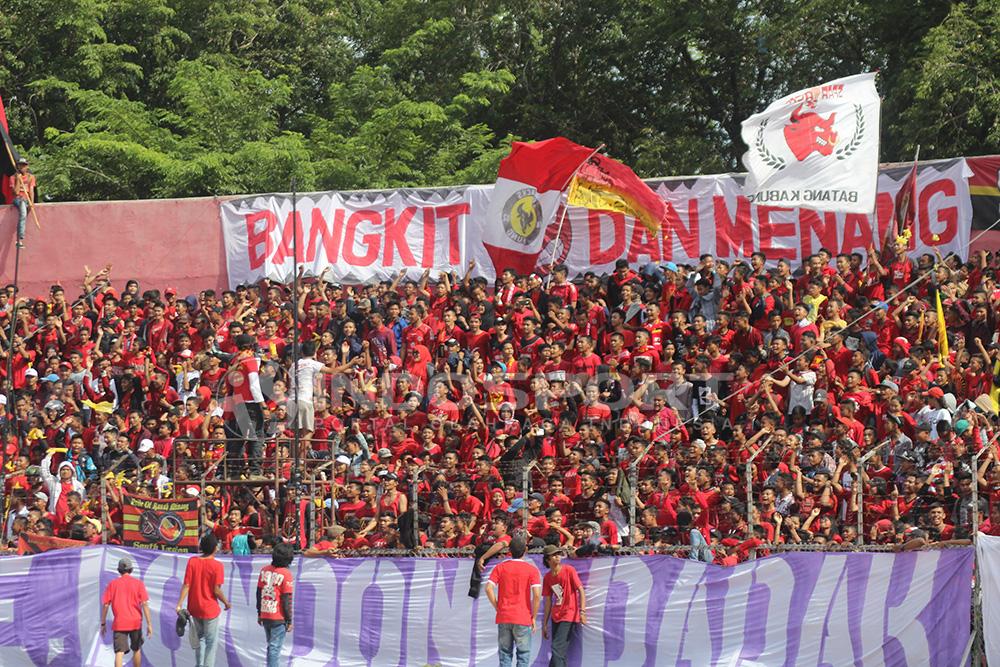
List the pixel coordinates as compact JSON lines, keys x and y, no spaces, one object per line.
{"x":104,"y":406}
{"x":942,"y":330}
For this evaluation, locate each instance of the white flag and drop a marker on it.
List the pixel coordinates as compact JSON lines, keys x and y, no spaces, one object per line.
{"x":816,"y":148}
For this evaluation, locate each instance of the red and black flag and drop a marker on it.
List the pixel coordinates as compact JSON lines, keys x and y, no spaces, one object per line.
{"x":166,"y":524}
{"x":31,"y":543}
{"x":906,"y":202}
{"x":8,"y":158}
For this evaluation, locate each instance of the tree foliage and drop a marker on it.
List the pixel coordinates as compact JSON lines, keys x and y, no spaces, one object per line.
{"x":165,"y":98}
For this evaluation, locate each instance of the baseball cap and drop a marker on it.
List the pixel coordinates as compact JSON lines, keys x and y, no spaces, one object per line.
{"x":961,"y":426}
{"x":125,"y":565}
{"x":145,"y":445}
{"x":889,"y":384}
{"x":346,"y":460}
{"x":31,"y":372}
{"x":934,"y":392}
{"x":335,"y":531}
{"x":51,"y":377}
{"x":185,"y":354}
{"x":42,"y":496}
{"x":382,"y":453}
{"x":670,"y":266}
{"x":537,"y":496}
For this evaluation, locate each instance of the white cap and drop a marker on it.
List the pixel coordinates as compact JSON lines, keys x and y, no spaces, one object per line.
{"x":145,"y":445}
{"x":31,"y":372}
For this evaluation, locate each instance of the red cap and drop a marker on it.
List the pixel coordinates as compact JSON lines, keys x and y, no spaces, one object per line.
{"x":935,"y":392}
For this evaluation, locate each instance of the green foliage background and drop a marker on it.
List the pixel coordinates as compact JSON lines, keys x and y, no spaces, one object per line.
{"x":119,"y":99}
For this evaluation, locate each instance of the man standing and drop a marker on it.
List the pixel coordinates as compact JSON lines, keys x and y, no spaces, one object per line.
{"x":243,"y":407}
{"x":202,"y":588}
{"x":565,"y":603}
{"x":126,"y":597}
{"x":22,"y":184}
{"x":304,"y":381}
{"x":274,"y":600}
{"x":515,"y":591}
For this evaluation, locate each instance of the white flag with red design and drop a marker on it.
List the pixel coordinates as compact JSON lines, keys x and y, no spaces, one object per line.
{"x":816,"y":148}
{"x":525,"y":199}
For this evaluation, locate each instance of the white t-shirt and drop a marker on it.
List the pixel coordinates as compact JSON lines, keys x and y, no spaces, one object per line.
{"x":305,"y":378}
{"x":801,"y":393}
{"x":930,"y":416}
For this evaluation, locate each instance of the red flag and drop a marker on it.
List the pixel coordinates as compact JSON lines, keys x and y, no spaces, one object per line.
{"x":906,"y":206}
{"x":525,"y":199}
{"x":31,"y":543}
{"x":7,"y":166}
{"x":606,"y":184}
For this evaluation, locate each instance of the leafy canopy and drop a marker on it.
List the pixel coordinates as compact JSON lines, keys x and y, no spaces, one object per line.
{"x":170,"y":98}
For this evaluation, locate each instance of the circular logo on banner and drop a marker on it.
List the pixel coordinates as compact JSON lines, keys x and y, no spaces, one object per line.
{"x":522,"y":216}
{"x":166,"y":528}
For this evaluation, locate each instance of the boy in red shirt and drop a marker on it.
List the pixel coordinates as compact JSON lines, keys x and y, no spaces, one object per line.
{"x":274,"y":600}
{"x":565,"y":603}
{"x":126,"y":596}
{"x":203,"y":579}
{"x":515,"y":591}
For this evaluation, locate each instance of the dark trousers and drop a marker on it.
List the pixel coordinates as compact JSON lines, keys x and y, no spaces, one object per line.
{"x":244,"y":435}
{"x":476,"y":579}
{"x":561,"y":635}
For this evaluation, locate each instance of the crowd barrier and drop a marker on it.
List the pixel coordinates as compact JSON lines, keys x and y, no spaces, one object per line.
{"x":829,"y":608}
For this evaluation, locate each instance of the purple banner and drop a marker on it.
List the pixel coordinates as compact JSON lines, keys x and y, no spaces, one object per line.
{"x":794,"y":609}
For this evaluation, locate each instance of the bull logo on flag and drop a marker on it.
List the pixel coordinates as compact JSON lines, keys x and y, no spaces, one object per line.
{"x":522,"y":215}
{"x":808,"y":132}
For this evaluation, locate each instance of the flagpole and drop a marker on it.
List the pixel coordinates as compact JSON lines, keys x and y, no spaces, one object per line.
{"x":562,"y":216}
{"x":894,"y":230}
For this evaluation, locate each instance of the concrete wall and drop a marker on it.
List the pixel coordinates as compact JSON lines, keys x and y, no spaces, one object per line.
{"x":168,"y":242}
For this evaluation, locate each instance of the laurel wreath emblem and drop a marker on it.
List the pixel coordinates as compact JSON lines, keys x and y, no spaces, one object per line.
{"x":770,"y":159}
{"x":859,"y":133}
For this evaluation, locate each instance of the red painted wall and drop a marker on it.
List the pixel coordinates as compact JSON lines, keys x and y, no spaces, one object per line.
{"x":167,"y":242}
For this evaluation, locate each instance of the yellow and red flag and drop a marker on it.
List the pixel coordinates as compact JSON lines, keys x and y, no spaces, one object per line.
{"x":608,"y":185}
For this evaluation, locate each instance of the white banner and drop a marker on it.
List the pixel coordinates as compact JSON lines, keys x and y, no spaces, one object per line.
{"x":803,"y":609}
{"x":988,"y":555}
{"x":366,"y":236}
{"x":816,"y":147}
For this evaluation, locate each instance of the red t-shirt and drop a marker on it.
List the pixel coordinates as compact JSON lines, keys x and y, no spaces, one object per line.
{"x":202,"y":575}
{"x":273,"y":583}
{"x":126,"y":595}
{"x":514,"y":579}
{"x":563,"y":588}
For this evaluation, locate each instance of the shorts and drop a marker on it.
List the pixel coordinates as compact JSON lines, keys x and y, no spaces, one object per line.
{"x":130,"y":639}
{"x":305,"y":415}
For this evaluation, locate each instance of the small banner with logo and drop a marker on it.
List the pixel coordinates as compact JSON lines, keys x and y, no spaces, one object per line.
{"x":816,"y":148}
{"x":168,"y":525}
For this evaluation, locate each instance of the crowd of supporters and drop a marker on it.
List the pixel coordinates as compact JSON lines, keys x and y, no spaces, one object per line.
{"x":532,"y":403}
